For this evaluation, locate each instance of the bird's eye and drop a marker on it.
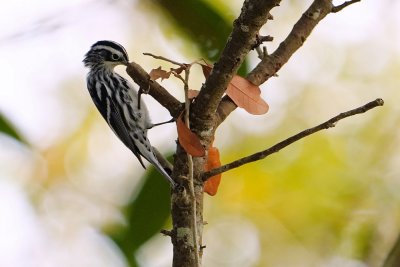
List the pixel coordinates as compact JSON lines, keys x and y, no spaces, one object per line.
{"x":114,"y":56}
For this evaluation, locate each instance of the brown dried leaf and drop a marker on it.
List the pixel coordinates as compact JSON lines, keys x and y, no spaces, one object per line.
{"x":213,"y":161}
{"x":159,"y":73}
{"x":189,"y":140}
{"x":247,"y":96}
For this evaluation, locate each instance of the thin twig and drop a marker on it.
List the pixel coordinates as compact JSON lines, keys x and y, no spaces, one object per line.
{"x":262,"y":53}
{"x":166,"y":232}
{"x":191,"y":176}
{"x":275,"y":148}
{"x":163,"y":58}
{"x":261,"y":39}
{"x":180,"y":78}
{"x":341,"y":6}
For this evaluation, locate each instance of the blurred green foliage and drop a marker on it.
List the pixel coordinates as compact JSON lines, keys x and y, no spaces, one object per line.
{"x":146,"y":215}
{"x":333,"y":194}
{"x":7,"y":128}
{"x":203,"y":25}
{"x":312,"y":196}
{"x":200,"y":23}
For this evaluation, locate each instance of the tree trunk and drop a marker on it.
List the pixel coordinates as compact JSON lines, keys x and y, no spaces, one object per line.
{"x":182,"y":235}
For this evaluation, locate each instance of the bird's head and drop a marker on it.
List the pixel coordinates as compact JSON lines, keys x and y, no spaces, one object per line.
{"x":106,"y":54}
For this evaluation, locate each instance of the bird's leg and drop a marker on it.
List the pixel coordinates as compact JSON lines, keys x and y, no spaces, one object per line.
{"x":140,"y":92}
{"x":161,"y":123}
{"x":139,"y":96}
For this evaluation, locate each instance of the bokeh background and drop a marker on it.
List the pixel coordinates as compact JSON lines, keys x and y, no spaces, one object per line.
{"x":73,"y":195}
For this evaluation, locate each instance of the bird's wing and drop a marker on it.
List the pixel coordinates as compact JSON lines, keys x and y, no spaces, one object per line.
{"x":146,"y":150}
{"x":111,"y":114}
{"x":135,"y":139}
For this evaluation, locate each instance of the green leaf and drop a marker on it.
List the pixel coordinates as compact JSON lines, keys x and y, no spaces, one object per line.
{"x":146,"y":215}
{"x":202,"y":24}
{"x":7,"y":128}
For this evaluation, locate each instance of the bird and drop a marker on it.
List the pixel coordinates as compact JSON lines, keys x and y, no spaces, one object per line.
{"x":118,"y":101}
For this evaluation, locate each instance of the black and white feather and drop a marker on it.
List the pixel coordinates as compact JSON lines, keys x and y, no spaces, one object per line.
{"x":117,"y":101}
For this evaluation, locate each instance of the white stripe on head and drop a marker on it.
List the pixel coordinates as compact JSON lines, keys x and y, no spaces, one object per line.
{"x":112,"y":47}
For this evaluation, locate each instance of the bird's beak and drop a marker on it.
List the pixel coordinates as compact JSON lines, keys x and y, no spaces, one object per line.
{"x":126,"y":63}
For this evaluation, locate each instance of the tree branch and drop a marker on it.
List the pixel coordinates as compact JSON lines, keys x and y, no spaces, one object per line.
{"x":275,"y":148}
{"x":271,"y":64}
{"x":393,"y":258}
{"x":254,"y":14}
{"x":345,"y":4}
{"x":301,"y":30}
{"x":195,"y":234}
{"x":158,"y":92}
{"x":163,"y":58}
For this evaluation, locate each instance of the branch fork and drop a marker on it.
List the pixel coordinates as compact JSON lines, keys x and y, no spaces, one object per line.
{"x":210,"y":109}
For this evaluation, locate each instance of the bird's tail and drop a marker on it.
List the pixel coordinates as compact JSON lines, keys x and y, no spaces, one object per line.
{"x":154,"y":161}
{"x":164,"y":173}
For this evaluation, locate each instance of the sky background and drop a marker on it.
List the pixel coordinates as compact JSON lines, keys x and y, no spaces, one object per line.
{"x":61,"y":190}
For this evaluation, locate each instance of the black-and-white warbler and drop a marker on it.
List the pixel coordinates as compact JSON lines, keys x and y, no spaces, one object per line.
{"x":117,"y":101}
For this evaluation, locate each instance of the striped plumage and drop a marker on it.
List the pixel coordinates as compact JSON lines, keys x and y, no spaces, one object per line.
{"x":117,"y":101}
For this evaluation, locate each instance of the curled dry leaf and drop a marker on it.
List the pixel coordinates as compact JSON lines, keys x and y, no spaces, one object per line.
{"x":189,"y":140}
{"x":159,"y":73}
{"x":213,"y":161}
{"x":247,"y":96}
